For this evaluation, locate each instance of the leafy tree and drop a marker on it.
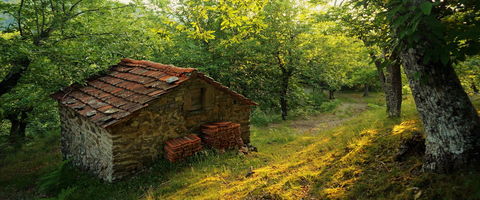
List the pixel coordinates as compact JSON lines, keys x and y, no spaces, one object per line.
{"x":55,"y":43}
{"x":247,"y":45}
{"x":429,"y":37}
{"x":365,"y":76}
{"x":333,"y":61}
{"x":284,"y":44}
{"x":361,"y":22}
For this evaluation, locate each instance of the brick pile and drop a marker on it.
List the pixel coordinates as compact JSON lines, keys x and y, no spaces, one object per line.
{"x":182,"y":147}
{"x":222,"y":135}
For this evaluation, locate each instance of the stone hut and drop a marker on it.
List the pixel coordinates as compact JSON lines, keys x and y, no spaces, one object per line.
{"x":117,"y":123}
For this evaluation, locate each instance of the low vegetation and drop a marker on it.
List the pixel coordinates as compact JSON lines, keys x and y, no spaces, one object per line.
{"x":354,"y":159}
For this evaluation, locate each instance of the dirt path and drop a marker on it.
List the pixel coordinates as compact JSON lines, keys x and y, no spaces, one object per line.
{"x":343,"y":112}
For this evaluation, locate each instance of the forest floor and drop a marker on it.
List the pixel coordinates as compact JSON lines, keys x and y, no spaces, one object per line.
{"x":313,"y":124}
{"x":348,"y":153}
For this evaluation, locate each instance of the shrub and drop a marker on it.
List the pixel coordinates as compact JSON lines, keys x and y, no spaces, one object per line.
{"x":329,"y":105}
{"x":263,"y":118}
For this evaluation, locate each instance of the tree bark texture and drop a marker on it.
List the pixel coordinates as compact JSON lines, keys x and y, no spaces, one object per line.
{"x":393,"y":90}
{"x":391,"y":81}
{"x":451,"y":122}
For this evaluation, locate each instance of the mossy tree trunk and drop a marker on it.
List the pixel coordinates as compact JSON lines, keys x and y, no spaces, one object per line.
{"x":451,"y":122}
{"x":391,"y":81}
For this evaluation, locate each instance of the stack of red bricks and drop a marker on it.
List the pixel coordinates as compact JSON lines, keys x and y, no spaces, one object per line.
{"x":182,"y":147}
{"x":222,"y":135}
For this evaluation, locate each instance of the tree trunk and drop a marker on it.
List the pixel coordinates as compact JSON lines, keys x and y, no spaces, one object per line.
{"x":283,"y":94}
{"x":331,"y":94}
{"x":19,"y":124}
{"x":392,"y":86}
{"x":393,"y":90}
{"x":365,"y":90}
{"x":451,"y":122}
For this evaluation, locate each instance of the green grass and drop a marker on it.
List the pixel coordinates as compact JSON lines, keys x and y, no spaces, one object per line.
{"x":351,"y":161}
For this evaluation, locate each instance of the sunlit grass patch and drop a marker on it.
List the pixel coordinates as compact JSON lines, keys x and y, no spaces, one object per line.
{"x":352,"y":160}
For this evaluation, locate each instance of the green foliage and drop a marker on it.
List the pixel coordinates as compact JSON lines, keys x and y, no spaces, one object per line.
{"x":443,"y":32}
{"x":329,"y":106}
{"x":57,"y":180}
{"x":338,"y":61}
{"x":469,"y":73}
{"x":262,"y":118}
{"x":65,"y":42}
{"x":63,"y":195}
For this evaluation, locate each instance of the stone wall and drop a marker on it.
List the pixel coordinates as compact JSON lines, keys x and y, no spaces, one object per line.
{"x":85,"y":144}
{"x":139,"y":140}
{"x":218,"y":106}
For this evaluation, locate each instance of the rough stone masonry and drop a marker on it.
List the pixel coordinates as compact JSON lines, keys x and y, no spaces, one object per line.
{"x":117,"y":124}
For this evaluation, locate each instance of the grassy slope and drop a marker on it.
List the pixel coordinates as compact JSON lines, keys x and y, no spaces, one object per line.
{"x":351,"y":161}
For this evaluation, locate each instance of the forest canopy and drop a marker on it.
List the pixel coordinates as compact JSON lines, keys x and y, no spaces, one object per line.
{"x":269,"y":51}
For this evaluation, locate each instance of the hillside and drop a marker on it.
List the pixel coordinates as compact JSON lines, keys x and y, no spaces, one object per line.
{"x":348,"y":153}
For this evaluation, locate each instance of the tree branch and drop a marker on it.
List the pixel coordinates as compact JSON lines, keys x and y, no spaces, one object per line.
{"x":75,"y":5}
{"x":19,"y":20}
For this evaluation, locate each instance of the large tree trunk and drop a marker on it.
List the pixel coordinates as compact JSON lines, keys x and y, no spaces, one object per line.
{"x":393,"y":90}
{"x":451,"y":122}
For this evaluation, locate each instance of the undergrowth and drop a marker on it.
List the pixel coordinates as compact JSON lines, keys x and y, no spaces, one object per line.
{"x":352,"y":161}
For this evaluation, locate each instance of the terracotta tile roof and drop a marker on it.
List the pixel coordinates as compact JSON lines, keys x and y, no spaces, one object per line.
{"x":128,"y":87}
